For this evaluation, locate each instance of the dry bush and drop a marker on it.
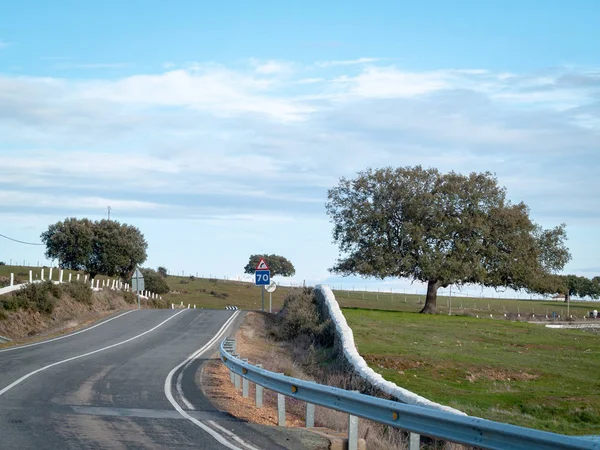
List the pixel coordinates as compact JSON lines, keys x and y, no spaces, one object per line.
{"x":78,"y":291}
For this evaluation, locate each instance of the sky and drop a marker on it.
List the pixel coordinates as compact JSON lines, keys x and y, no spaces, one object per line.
{"x":217,"y":128}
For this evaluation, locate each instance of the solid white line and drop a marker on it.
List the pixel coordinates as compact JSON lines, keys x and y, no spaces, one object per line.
{"x":66,"y":335}
{"x":169,"y":395}
{"x":179,"y":388}
{"x":233,"y":436}
{"x":30,"y":374}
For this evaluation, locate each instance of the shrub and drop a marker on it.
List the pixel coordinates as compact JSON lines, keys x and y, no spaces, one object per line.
{"x":154,"y":282}
{"x":2,"y":263}
{"x":40,"y":297}
{"x":80,"y":292}
{"x":129,"y":297}
{"x":3,"y":314}
{"x":158,"y":303}
{"x":300,"y":317}
{"x":162,"y":271}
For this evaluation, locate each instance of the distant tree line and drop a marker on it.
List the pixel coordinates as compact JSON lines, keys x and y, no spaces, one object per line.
{"x":567,"y":286}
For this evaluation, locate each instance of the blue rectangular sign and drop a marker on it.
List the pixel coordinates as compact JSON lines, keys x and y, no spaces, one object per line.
{"x":262,"y":277}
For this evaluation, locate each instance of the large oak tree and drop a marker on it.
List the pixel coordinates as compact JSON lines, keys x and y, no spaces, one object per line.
{"x":441,"y":229}
{"x":104,"y":247}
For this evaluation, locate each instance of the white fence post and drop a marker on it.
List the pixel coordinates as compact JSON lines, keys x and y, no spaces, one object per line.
{"x":12,"y":279}
{"x":60,"y":276}
{"x":31,"y":276}
{"x":42,"y":278}
{"x":70,"y":277}
{"x":78,"y":277}
{"x":50,"y":276}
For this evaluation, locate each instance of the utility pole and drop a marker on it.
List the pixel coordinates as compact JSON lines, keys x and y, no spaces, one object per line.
{"x":109,"y":213}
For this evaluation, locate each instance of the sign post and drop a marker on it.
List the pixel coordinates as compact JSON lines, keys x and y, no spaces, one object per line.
{"x":270,"y":289}
{"x":137,"y":284}
{"x":262,"y":277}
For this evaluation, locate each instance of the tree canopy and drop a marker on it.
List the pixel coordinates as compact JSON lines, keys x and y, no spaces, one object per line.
{"x":441,"y":229}
{"x":278,"y":265}
{"x":103,"y":247}
{"x":154,"y":281}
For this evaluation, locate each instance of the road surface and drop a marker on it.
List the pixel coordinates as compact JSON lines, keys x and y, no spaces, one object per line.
{"x":125,"y":383}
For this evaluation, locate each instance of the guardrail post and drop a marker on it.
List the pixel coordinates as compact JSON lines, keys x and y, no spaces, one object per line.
{"x":353,"y":432}
{"x":236,"y":378}
{"x":259,"y":392}
{"x":12,"y":279}
{"x":245,"y":385}
{"x":414,"y":442}
{"x":281,"y":410}
{"x":31,"y":276}
{"x":310,"y":415}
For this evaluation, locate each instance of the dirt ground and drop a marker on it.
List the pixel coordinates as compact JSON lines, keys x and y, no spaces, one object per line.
{"x":254,"y":344}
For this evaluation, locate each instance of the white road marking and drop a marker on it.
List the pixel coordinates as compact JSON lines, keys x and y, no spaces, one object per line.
{"x":169,"y":395}
{"x":30,"y":374}
{"x":185,"y":401}
{"x":232,"y":435}
{"x":66,"y":335}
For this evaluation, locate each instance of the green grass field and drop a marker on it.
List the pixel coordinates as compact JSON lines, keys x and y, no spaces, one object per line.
{"x":511,"y":372}
{"x":463,"y":305}
{"x":215,"y":293}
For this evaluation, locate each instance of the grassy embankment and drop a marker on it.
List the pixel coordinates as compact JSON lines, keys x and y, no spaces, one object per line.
{"x":511,"y":372}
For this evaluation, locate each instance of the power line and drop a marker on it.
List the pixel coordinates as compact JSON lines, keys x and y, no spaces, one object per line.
{"x":20,"y":242}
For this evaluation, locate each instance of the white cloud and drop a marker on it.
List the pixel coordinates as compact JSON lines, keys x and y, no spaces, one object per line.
{"x":36,"y":200}
{"x":271,"y":67}
{"x":348,"y":62}
{"x":217,"y":139}
{"x":93,"y":66}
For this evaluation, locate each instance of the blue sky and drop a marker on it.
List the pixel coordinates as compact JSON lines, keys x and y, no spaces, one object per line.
{"x":217,"y":128}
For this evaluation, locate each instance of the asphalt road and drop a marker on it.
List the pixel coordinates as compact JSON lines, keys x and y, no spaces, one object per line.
{"x":126,"y":383}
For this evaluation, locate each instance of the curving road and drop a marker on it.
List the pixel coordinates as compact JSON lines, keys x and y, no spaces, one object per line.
{"x":125,"y":383}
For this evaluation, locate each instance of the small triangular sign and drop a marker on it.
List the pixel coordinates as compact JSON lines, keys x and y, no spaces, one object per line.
{"x":262,"y":265}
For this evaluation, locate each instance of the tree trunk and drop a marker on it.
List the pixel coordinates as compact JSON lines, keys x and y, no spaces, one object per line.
{"x":431,"y":299}
{"x":567,"y":297}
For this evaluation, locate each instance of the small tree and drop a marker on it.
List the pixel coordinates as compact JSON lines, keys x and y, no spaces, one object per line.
{"x":277,"y":264}
{"x":154,"y":281}
{"x":162,"y":271}
{"x":440,"y":229}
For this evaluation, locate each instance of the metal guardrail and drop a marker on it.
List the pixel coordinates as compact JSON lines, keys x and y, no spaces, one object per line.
{"x":443,"y":425}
